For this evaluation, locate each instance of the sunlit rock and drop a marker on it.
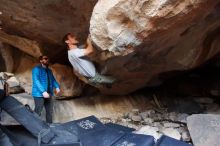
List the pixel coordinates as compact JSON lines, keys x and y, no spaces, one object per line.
{"x":151,"y":38}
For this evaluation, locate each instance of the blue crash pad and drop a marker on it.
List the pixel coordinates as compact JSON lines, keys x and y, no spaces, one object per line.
{"x":83,"y":126}
{"x":98,"y":135}
{"x":104,"y":137}
{"x":92,"y":132}
{"x":75,"y":144}
{"x":119,"y":127}
{"x":135,"y":140}
{"x":168,"y":141}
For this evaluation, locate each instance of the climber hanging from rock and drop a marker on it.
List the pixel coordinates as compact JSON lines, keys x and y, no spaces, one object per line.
{"x":81,"y":64}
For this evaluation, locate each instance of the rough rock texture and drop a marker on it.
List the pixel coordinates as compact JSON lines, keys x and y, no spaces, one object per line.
{"x":24,"y":72}
{"x":28,"y":46}
{"x":6,"y":61}
{"x":69,"y":84}
{"x":152,"y":37}
{"x":10,"y":84}
{"x":9,"y":58}
{"x":44,"y":23}
{"x":204,"y":129}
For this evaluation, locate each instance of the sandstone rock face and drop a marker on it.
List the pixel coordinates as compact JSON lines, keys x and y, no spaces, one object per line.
{"x":24,"y":72}
{"x":7,"y":58}
{"x":28,"y":46}
{"x":153,"y":37}
{"x":69,"y":83}
{"x":44,"y":23}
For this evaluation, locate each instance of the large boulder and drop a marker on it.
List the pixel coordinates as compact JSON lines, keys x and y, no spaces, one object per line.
{"x":148,"y":39}
{"x":39,"y":26}
{"x":204,"y":129}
